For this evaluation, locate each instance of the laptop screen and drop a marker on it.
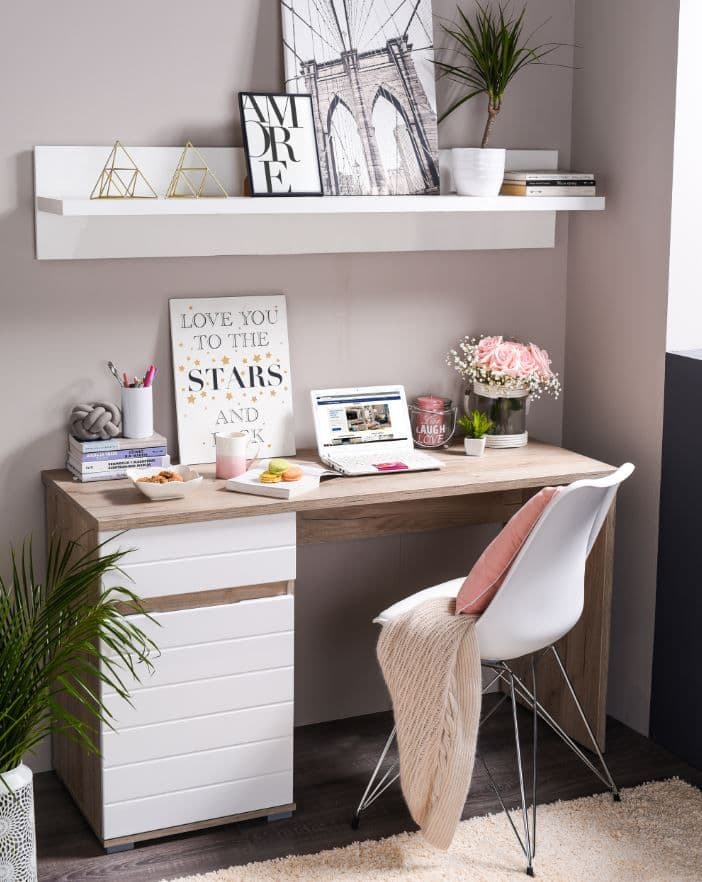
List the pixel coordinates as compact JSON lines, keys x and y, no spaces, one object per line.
{"x":361,"y":418}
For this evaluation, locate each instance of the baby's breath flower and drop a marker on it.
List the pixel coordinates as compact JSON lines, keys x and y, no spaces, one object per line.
{"x":539,"y":380}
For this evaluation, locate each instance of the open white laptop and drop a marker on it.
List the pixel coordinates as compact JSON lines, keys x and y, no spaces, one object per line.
{"x":366,"y":431}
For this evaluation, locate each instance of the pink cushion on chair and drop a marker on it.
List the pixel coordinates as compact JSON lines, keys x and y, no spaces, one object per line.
{"x":488,"y":574}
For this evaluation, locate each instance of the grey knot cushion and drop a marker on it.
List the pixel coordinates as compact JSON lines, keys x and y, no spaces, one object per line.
{"x":99,"y":421}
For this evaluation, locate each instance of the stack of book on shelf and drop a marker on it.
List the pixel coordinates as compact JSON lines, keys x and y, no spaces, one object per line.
{"x":106,"y":460}
{"x":548,"y":183}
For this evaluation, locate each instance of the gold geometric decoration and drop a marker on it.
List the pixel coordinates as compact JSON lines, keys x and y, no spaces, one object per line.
{"x":191,"y":177}
{"x":119,"y":178}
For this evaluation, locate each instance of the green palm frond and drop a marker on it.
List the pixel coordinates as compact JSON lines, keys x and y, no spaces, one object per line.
{"x":62,"y":636}
{"x":488,"y":54}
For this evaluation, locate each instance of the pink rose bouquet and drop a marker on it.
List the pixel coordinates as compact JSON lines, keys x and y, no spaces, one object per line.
{"x":495,"y":361}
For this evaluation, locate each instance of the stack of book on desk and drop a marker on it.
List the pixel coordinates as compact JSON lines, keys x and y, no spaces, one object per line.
{"x":104,"y":460}
{"x":548,"y":183}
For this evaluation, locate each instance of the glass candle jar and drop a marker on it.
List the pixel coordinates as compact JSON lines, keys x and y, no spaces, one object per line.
{"x":433,"y":421}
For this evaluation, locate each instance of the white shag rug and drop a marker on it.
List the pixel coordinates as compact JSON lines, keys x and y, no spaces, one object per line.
{"x":653,"y":835}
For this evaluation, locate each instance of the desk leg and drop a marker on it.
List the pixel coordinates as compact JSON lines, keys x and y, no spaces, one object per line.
{"x":585,"y":650}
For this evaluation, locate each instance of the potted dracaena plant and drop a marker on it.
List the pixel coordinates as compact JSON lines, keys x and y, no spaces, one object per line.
{"x":486,"y":54}
{"x":60,"y":637}
{"x":476,"y":425}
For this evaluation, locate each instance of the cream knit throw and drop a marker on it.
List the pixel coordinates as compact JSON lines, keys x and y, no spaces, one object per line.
{"x":431,"y":664}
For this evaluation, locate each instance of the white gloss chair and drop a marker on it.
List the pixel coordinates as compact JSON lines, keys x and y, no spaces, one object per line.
{"x":540,"y":600}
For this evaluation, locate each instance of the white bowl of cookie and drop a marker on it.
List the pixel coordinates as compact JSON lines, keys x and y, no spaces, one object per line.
{"x":175,"y":482}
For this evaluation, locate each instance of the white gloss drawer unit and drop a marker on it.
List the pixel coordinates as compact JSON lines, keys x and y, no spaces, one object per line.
{"x":208,"y":737}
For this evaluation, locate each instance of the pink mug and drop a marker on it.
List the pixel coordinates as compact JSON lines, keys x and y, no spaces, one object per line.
{"x":230,"y":450}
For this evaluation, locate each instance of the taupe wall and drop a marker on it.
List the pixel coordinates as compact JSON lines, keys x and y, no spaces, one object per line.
{"x":160,"y":75}
{"x":623,"y":115}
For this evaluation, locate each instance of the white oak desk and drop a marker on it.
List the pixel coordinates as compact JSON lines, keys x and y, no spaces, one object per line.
{"x":220,"y":564}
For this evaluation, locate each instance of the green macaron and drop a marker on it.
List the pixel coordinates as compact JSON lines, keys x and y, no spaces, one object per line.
{"x":278,"y":466}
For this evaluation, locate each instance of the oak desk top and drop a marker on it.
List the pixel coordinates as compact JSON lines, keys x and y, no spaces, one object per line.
{"x":117,"y":505}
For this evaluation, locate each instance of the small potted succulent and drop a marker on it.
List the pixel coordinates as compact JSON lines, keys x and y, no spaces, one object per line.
{"x":487,"y":52}
{"x":476,"y":425}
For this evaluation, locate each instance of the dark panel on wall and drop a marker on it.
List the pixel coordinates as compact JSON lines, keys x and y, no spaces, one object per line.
{"x":676,"y":698}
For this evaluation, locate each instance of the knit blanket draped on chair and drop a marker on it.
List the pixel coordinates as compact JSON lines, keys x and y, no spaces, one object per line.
{"x":431,"y":663}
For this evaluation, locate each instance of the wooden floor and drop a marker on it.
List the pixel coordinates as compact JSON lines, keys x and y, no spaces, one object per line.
{"x":332,"y":762}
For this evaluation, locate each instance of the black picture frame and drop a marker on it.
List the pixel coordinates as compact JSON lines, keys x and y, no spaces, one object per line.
{"x":273,"y":95}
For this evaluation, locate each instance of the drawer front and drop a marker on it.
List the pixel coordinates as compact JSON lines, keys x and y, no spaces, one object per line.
{"x":210,"y":732}
{"x":183,"y":700}
{"x":248,"y":618}
{"x":202,"y":662}
{"x":188,"y":575}
{"x":201,"y":539}
{"x":182,"y":737}
{"x":198,"y":770}
{"x":199,"y":804}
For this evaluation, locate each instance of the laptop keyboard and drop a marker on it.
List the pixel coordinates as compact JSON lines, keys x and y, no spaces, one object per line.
{"x":392,"y":463}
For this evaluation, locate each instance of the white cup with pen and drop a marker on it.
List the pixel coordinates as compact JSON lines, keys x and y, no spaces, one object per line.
{"x":137,"y":403}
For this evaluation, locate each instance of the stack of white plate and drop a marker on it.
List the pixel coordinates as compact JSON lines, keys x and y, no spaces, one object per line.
{"x":507,"y":440}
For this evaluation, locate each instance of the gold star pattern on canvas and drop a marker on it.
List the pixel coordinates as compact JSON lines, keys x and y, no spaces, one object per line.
{"x":257,"y":358}
{"x":273,"y":393}
{"x":254,"y":399}
{"x":226,"y":359}
{"x":203,"y":394}
{"x":269,"y":355}
{"x":229,"y":396}
{"x":191,"y":399}
{"x":197,"y":362}
{"x":181,"y":367}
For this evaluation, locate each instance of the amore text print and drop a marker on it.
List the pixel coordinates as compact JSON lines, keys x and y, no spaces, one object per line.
{"x":280,"y":143}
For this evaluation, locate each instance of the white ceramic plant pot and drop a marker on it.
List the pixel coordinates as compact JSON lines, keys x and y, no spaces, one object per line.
{"x":474,"y":446}
{"x":478,"y":171}
{"x":18,"y":853}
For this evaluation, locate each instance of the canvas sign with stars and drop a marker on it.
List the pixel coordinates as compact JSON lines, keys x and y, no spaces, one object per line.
{"x":231,"y":367}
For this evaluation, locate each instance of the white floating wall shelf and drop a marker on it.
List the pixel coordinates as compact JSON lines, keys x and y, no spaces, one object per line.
{"x":69,"y":225}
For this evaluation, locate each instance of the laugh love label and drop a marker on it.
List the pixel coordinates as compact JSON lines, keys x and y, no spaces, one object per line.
{"x":231,"y":369}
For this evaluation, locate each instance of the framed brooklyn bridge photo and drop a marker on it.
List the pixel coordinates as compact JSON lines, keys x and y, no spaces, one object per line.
{"x":368,"y":65}
{"x":280,"y":144}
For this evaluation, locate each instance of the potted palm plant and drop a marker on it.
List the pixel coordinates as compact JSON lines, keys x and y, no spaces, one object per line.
{"x":476,"y":425}
{"x":487,"y":53}
{"x":59,"y":636}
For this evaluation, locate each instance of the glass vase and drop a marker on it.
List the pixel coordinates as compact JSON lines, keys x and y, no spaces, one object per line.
{"x":507,"y":409}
